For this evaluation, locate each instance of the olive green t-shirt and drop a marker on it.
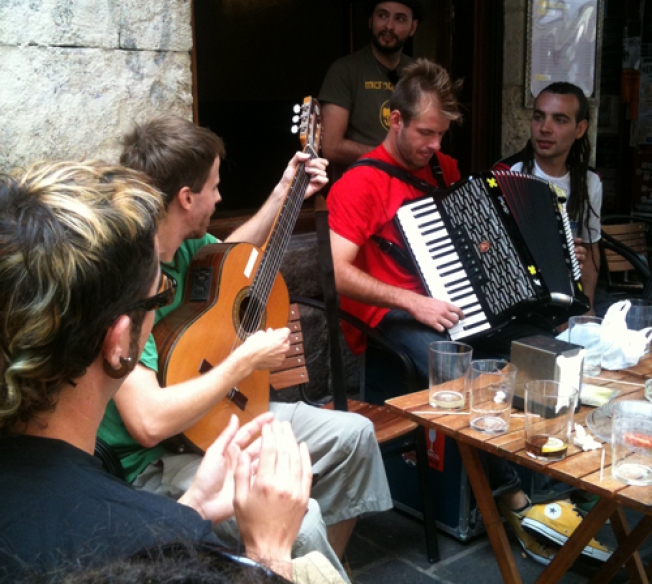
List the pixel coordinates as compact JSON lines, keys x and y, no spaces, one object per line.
{"x":360,"y":84}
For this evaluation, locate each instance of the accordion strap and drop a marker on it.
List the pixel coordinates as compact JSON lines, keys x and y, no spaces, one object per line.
{"x":398,"y":254}
{"x":404,"y":175}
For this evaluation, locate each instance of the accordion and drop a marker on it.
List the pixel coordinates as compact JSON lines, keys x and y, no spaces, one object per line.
{"x":499,"y":246}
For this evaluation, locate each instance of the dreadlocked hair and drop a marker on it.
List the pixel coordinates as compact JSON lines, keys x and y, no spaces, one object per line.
{"x":579,"y":206}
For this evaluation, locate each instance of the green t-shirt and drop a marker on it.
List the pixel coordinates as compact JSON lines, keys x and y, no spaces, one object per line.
{"x":133,"y":456}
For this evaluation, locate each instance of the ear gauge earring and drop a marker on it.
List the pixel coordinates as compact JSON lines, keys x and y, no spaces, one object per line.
{"x":127,"y":365}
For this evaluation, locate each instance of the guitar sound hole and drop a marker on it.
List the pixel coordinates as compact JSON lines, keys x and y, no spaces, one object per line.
{"x":251,"y":314}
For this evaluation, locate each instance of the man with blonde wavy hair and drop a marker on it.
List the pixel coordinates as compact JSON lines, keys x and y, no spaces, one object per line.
{"x":79,"y":283}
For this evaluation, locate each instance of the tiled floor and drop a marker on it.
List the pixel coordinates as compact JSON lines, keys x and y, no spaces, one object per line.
{"x":389,"y":548}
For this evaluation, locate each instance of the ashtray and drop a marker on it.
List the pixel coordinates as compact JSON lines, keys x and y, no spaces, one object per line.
{"x":599,"y":421}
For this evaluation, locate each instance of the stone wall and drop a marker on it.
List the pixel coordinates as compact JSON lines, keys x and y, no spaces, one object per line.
{"x":76,"y":74}
{"x":516,"y":119}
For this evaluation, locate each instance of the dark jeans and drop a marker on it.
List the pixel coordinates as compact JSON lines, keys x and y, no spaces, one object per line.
{"x":602,"y":301}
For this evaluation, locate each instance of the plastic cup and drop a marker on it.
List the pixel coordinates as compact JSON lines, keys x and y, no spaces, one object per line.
{"x":631,"y":442}
{"x":449,"y":367}
{"x":586,"y":331}
{"x":549,"y":408}
{"x":491,"y":395}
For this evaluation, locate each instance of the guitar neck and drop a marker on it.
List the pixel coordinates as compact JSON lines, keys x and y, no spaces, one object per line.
{"x":279,"y":239}
{"x":281,"y":233}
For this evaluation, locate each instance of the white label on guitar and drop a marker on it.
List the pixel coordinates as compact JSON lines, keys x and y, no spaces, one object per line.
{"x":250,"y":264}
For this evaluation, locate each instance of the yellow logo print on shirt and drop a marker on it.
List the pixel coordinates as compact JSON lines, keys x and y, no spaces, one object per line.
{"x":384,"y":115}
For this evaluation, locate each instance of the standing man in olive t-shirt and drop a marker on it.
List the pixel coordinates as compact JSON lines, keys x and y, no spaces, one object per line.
{"x":356,"y":90}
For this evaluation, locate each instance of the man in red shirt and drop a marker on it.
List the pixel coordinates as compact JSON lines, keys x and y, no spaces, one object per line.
{"x":374,"y":284}
{"x":372,"y":270}
{"x":364,"y":202}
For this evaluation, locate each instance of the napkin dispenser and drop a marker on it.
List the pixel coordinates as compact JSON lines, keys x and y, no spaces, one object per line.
{"x":541,"y":357}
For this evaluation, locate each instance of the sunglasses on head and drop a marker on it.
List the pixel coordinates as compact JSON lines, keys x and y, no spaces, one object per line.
{"x":167,"y":289}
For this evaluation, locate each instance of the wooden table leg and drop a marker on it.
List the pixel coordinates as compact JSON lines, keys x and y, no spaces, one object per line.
{"x":635,"y":568}
{"x":569,"y":552}
{"x":625,"y":550}
{"x":490,"y":515}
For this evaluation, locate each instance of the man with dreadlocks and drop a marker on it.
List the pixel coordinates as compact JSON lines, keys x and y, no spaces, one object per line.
{"x":559,"y":152}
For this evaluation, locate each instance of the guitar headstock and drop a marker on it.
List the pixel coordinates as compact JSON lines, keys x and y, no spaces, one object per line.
{"x":308,"y":116}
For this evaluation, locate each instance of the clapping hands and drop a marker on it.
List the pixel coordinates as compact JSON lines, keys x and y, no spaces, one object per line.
{"x":270,"y":502}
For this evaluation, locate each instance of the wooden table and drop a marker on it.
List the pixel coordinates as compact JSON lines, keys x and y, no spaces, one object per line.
{"x":581,"y":469}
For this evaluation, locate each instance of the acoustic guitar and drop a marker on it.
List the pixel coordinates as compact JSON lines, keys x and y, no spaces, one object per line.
{"x":232,"y":291}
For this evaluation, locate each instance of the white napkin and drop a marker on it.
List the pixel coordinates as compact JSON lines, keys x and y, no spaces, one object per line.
{"x":584,"y":440}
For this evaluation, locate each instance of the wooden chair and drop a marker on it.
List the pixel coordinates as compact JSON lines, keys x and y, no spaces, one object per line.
{"x":624,"y":255}
{"x":394,"y":434}
{"x":292,"y":372}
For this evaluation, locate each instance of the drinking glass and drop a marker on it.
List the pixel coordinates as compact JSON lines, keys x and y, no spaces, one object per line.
{"x":631,"y":442}
{"x":491,"y":395}
{"x":449,"y":367}
{"x":639,"y":315}
{"x":549,"y":408}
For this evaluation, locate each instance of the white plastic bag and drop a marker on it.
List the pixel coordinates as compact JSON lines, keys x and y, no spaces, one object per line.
{"x":621,"y":348}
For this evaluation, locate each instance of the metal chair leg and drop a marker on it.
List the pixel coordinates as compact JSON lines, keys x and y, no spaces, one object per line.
{"x":432,"y":547}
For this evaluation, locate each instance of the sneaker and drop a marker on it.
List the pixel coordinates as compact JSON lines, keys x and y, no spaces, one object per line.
{"x":556,"y":522}
{"x":538,"y":551}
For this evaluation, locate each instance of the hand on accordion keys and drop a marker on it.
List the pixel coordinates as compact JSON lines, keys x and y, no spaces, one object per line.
{"x":580,"y":251}
{"x":434,"y":313}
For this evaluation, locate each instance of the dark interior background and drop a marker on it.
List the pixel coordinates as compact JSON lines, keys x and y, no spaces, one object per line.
{"x":255,"y":59}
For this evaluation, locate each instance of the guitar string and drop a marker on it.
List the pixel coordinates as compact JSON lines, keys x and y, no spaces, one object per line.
{"x":271,"y":262}
{"x":268,"y":269}
{"x":266,"y":277}
{"x":262,"y":287}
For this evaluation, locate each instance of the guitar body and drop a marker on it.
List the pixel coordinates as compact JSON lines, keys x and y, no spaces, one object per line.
{"x":203,"y":331}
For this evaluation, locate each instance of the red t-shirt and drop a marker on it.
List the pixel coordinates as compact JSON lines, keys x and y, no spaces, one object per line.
{"x":363,"y":203}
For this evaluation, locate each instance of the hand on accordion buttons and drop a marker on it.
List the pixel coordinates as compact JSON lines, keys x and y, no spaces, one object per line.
{"x":436,"y":314}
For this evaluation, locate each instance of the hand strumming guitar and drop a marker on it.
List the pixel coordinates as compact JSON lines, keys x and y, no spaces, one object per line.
{"x":266,"y":349}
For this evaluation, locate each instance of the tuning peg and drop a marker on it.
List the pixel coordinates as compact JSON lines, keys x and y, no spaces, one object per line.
{"x":294,"y":129}
{"x":296,"y":109}
{"x":296,"y":119}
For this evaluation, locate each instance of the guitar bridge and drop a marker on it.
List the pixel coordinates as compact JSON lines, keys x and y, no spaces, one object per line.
{"x":235,"y":395}
{"x":238,"y":398}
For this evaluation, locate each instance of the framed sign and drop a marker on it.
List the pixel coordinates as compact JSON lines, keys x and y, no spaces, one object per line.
{"x":564,"y":38}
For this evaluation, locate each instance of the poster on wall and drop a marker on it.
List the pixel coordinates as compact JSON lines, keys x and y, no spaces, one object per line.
{"x":643,"y":133}
{"x":562,"y":44}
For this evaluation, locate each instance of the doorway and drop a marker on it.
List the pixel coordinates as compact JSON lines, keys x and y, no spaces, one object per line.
{"x":255,"y":59}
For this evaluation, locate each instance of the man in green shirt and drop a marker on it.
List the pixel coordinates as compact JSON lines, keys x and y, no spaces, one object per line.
{"x":183,"y":160}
